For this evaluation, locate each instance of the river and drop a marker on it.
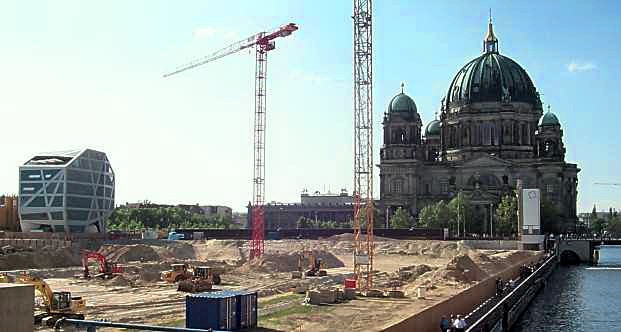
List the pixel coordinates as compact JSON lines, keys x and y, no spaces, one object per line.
{"x":579,"y":298}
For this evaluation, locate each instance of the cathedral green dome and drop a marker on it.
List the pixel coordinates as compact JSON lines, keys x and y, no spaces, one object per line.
{"x":433,"y":128}
{"x":491,"y":77}
{"x":549,"y":119}
{"x":402,"y":103}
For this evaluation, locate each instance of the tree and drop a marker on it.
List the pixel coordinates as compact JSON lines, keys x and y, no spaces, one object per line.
{"x":599,"y":225}
{"x":551,"y":218}
{"x":614,"y":227}
{"x":506,"y":213}
{"x":438,"y":215}
{"x":401,"y":219}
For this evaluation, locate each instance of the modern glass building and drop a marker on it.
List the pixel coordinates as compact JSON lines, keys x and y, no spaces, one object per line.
{"x":68,"y":191}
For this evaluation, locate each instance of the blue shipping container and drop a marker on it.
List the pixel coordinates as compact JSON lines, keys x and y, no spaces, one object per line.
{"x":247,"y":309}
{"x":212,"y":310}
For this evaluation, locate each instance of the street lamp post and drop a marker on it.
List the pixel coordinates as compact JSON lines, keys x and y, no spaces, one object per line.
{"x":491,"y":225}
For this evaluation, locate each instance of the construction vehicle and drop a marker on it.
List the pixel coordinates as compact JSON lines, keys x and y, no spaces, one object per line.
{"x":177,"y":273}
{"x":4,"y":278}
{"x":106,"y":269}
{"x":316,"y":267}
{"x":55,"y":305}
{"x":203,"y":280}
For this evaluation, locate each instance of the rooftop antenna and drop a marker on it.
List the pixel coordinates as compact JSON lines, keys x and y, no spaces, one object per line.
{"x":402,"y":85}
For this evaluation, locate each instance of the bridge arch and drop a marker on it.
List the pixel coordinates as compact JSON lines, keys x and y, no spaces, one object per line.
{"x":570,"y":257}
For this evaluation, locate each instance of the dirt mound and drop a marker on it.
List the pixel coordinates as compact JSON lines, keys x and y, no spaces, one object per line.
{"x":130,"y":253}
{"x":410,"y":273}
{"x":176,"y":250}
{"x":41,"y":258}
{"x":462,"y":268}
{"x":287,"y":262}
{"x":119,"y":280}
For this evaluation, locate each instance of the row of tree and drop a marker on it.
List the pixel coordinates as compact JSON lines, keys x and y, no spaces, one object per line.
{"x":611,"y":224}
{"x":460,"y":212}
{"x":131,"y":219}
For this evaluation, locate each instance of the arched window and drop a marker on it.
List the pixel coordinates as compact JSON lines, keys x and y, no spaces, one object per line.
{"x":493,"y":135}
{"x":402,"y":139}
{"x":524,"y":134}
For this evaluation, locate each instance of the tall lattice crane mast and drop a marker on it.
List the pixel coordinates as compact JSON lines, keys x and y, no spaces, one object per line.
{"x":263,"y":42}
{"x":363,"y":142}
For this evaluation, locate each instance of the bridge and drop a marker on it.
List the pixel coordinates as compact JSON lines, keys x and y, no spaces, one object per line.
{"x":575,"y":251}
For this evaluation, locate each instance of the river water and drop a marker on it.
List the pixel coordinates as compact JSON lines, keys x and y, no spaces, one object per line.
{"x":579,"y":298}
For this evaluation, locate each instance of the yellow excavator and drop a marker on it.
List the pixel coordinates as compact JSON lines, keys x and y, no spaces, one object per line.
{"x":55,"y":304}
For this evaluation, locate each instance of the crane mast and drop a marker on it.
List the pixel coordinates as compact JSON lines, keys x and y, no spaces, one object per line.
{"x":363,"y":142}
{"x":263,"y":42}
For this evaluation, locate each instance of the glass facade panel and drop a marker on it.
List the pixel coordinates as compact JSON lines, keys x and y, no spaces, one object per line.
{"x":30,"y":188}
{"x":50,"y":173}
{"x":35,"y":216}
{"x":78,"y":176}
{"x":51,"y":188}
{"x":100,"y":191}
{"x":78,"y":202}
{"x":77,"y":214}
{"x":76,"y":229}
{"x":79,"y":189}
{"x":58,"y":201}
{"x":38,"y":201}
{"x":57,"y":216}
{"x":30,"y":175}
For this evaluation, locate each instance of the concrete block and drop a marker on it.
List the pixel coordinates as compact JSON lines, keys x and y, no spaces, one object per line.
{"x":375,"y":293}
{"x":16,"y":308}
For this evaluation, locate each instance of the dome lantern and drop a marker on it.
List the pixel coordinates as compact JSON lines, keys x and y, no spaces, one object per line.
{"x":490,"y":42}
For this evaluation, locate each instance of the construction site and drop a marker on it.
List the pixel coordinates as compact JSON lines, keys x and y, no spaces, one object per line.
{"x":301,"y":284}
{"x":351,"y":281}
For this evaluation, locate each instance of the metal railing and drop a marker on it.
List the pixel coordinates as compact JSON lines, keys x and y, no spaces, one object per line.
{"x":497,"y":312}
{"x":91,"y":326}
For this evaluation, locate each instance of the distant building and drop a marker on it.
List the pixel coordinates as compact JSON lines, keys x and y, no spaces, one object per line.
{"x":68,"y":191}
{"x":213,"y":210}
{"x":320,"y":207}
{"x":9,"y":216}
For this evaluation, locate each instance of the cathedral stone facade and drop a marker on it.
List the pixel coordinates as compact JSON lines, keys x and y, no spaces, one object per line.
{"x":491,"y":132}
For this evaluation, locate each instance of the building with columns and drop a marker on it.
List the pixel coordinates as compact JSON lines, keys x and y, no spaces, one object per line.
{"x":491,"y":131}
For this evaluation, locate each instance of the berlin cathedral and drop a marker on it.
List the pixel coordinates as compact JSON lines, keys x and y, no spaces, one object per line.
{"x":492,"y":131}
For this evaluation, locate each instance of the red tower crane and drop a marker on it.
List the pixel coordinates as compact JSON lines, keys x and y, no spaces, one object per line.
{"x":263,"y":42}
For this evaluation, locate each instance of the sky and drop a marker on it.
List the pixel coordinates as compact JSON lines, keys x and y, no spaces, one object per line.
{"x":78,"y":74}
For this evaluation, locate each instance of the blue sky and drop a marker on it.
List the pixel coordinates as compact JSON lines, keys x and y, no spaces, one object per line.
{"x":89,"y":74}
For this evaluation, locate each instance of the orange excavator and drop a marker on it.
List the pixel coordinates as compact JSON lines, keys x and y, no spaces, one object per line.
{"x":106,"y":269}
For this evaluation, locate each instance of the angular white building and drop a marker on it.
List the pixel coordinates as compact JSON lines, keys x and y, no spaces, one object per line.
{"x":67,"y":191}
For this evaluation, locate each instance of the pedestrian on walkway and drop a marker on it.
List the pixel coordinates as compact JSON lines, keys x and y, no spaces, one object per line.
{"x":445,"y":325}
{"x":459,"y":325}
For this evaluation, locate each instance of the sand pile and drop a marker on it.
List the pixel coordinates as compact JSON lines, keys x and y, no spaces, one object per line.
{"x":410,"y":273}
{"x":287,"y":262}
{"x":175,"y":250}
{"x":229,"y":251}
{"x":120,"y":280}
{"x":41,"y":258}
{"x":463,"y":269}
{"x":130,"y":253}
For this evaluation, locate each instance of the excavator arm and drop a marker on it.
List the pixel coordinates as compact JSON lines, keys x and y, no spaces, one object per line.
{"x":40,"y":286}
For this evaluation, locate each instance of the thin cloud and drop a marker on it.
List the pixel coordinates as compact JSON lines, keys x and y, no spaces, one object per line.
{"x":578,"y":66}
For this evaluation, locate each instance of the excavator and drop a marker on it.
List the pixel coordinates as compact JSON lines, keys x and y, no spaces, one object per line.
{"x":55,"y":305}
{"x":315,"y":265}
{"x":106,"y":269}
{"x":202,"y":281}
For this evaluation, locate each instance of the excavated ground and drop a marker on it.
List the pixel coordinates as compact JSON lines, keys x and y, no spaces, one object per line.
{"x":446,"y":268}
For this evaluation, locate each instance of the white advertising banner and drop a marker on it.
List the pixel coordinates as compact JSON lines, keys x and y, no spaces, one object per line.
{"x":531,"y":201}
